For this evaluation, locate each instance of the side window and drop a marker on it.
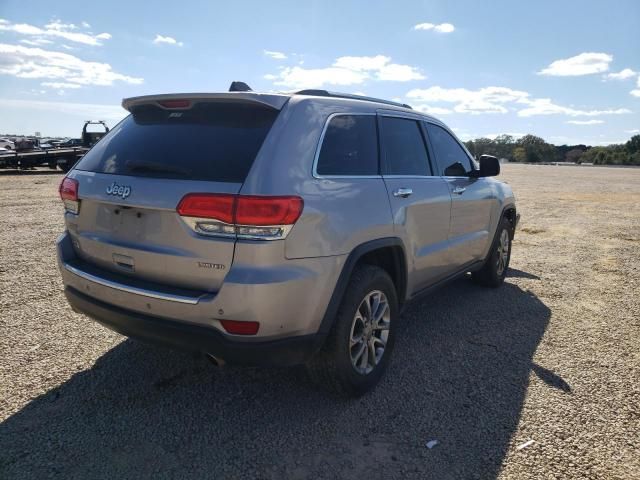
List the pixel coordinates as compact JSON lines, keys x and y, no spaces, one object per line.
{"x":451,"y":158}
{"x":349,"y":147}
{"x":403,"y":148}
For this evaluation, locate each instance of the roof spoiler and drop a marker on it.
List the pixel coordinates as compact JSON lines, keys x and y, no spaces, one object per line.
{"x":247,"y":97}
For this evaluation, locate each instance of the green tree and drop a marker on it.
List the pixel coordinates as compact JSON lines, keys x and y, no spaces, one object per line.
{"x":633,"y":145}
{"x":537,"y":150}
{"x":519,"y":154}
{"x":573,"y":155}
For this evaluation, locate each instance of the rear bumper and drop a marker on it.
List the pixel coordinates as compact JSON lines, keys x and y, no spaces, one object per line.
{"x":197,"y":338}
{"x":288,"y":298}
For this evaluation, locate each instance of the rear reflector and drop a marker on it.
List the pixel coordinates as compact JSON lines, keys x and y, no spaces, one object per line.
{"x":246,"y":216}
{"x":240,"y":328}
{"x":69,"y":194}
{"x":175,"y":103}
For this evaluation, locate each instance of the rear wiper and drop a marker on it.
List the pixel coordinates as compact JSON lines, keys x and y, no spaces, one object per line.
{"x":157,"y":168}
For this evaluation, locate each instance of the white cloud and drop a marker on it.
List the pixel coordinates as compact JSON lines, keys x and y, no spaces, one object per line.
{"x":103,"y":112}
{"x":298,"y":77}
{"x":585,"y":122}
{"x":85,"y":25}
{"x":440,"y":28}
{"x":275,"y":55}
{"x":498,"y":100}
{"x":621,"y":75}
{"x":60,"y":85}
{"x":346,"y":70}
{"x":544,"y":106}
{"x":636,"y":92}
{"x":635,"y":130}
{"x":362,"y":63}
{"x":166,"y":40}
{"x":67,"y":31}
{"x":429,"y":110}
{"x":394,"y":72}
{"x":484,"y":100}
{"x":36,"y":42}
{"x":26,"y":62}
{"x":583,"y":64}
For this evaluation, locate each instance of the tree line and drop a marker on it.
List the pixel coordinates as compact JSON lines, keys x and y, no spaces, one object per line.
{"x":532,"y":149}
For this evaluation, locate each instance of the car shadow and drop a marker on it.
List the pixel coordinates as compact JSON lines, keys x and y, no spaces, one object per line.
{"x":460,"y":373}
{"x":515,"y":273}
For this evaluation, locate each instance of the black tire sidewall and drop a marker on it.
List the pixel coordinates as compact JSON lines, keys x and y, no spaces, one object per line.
{"x":365,"y":280}
{"x":493,"y":260}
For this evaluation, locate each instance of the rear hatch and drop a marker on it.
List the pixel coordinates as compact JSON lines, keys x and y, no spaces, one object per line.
{"x":131,"y":183}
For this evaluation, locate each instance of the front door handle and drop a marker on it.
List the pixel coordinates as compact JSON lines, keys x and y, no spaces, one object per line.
{"x":402,"y":192}
{"x":458,"y":190}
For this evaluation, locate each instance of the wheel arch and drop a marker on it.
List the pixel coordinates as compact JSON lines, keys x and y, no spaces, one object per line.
{"x":510,"y":213}
{"x":387,"y":253}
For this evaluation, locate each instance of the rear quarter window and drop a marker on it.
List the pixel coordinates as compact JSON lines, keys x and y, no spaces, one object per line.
{"x":211,"y":141}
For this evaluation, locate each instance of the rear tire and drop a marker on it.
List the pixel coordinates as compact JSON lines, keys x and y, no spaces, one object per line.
{"x":359,"y":346}
{"x":495,"y":267}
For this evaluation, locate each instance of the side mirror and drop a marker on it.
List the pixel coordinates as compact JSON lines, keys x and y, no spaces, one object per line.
{"x":489,"y":167}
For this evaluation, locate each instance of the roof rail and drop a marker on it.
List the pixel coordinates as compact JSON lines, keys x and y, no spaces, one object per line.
{"x":325,"y":93}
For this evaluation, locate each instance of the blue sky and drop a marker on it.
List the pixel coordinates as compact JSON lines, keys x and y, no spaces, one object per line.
{"x":565,"y":70}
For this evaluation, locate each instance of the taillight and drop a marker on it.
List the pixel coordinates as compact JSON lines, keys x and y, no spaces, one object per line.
{"x":219,"y":207}
{"x":242,"y":216}
{"x":69,"y":194}
{"x":240,"y":328}
{"x":254,"y":210}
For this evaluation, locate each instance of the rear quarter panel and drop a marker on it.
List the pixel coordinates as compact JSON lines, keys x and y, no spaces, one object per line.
{"x":339,"y":213}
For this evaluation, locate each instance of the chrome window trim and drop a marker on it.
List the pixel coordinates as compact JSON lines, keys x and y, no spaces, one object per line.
{"x":314,"y":171}
{"x":129,"y":289}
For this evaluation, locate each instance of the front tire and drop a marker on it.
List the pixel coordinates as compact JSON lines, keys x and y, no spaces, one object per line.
{"x":494,"y":271}
{"x":359,"y":346}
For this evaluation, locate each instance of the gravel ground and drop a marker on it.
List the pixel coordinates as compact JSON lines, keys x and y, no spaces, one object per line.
{"x":552,"y":356}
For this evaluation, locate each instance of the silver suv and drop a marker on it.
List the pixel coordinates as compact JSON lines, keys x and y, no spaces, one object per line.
{"x":277,"y":229}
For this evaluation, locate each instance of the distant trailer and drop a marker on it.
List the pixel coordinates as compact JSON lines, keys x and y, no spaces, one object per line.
{"x":62,"y":158}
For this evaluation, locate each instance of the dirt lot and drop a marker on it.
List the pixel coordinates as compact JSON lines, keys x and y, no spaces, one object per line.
{"x":553,"y":356}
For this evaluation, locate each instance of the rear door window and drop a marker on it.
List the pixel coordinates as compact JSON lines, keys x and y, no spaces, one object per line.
{"x":212,"y":141}
{"x":403,"y":148}
{"x":349,"y":147}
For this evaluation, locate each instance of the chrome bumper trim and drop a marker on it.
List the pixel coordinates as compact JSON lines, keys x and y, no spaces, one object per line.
{"x":129,"y":289}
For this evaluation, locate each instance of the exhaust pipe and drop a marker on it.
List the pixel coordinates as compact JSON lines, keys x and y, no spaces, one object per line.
{"x":218,"y":362}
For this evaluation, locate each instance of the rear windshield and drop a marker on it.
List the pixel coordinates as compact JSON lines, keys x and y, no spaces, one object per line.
{"x":211,"y":141}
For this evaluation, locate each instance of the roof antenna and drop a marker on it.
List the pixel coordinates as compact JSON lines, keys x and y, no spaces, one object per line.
{"x":239,"y":87}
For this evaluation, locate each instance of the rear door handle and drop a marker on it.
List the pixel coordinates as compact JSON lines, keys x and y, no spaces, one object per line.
{"x":458,"y":190}
{"x":402,"y":192}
